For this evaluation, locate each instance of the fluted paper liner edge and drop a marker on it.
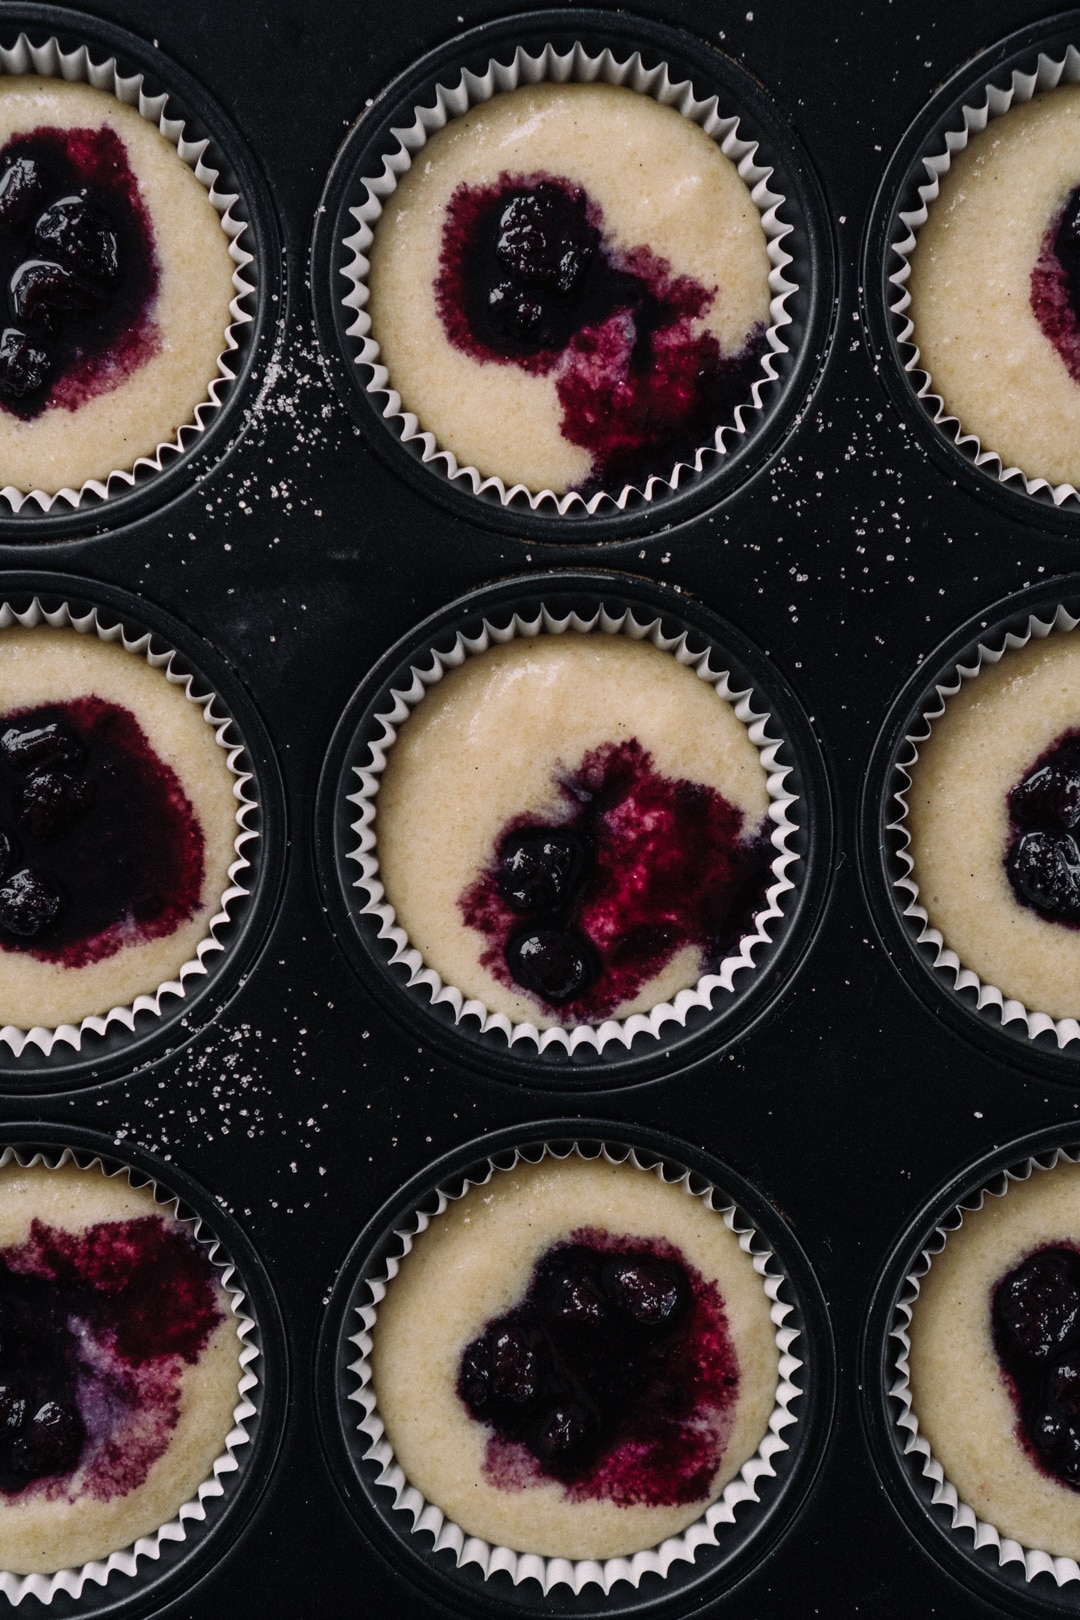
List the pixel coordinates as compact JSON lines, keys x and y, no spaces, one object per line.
{"x":215,"y":715}
{"x":994,"y":102}
{"x":906,"y":887}
{"x":577,"y":66}
{"x":126,"y":1560}
{"x":624,"y":1030}
{"x":579,"y":1573}
{"x":49,"y":61}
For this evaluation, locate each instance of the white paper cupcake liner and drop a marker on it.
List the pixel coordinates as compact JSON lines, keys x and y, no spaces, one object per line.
{"x":1035,"y":1562}
{"x":197,"y":967}
{"x":622,"y":1030}
{"x":194,"y":1511}
{"x":48,"y":60}
{"x":580,"y":67}
{"x":946,"y":961}
{"x":992,"y":101}
{"x":579,"y":1573}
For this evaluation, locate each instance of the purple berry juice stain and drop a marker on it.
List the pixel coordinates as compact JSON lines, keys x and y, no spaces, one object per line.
{"x":82,"y":279}
{"x":527,"y":278}
{"x":120,"y":839}
{"x":102,"y":1323}
{"x":669,"y":868}
{"x":1042,"y":856}
{"x":639,"y":1406}
{"x":1035,"y":1325}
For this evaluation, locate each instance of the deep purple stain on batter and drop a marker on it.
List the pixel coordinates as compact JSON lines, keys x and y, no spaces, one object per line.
{"x":95,"y":1330}
{"x":527,"y":278}
{"x":615,"y":1374}
{"x":1042,"y":857}
{"x":87,"y":324}
{"x":1035,"y":1322}
{"x":667,"y":866}
{"x":110,"y":831}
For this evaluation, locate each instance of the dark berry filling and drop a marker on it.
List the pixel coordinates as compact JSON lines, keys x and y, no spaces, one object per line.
{"x":94,"y":1331}
{"x":641,"y":867}
{"x":99,"y":844}
{"x":1043,"y":858}
{"x":615,"y":1374}
{"x":1035,"y":1315}
{"x":527,"y":278}
{"x":77,"y":258}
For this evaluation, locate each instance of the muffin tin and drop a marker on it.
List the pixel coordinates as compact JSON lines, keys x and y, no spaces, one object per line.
{"x":298,"y":554}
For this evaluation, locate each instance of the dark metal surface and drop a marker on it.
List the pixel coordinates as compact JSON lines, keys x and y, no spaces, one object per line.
{"x":302,"y":557}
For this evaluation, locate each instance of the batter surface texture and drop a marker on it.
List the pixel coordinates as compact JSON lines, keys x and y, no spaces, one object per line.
{"x":471,"y":1265}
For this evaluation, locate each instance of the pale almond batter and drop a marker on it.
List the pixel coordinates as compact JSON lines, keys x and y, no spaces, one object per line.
{"x":957,"y":1386}
{"x":989,"y":737}
{"x":41,"y":666}
{"x":61,"y":448}
{"x":472,"y":1264}
{"x":970,"y":285}
{"x":43,"y":1533}
{"x":488,"y":742}
{"x":660,"y":182}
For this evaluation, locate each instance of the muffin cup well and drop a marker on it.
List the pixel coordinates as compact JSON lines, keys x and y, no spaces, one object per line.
{"x":52,"y":42}
{"x":470,"y":1569}
{"x":552,"y":606}
{"x":976,"y":1006}
{"x":1007,"y":74}
{"x":582,"y":46}
{"x":975,"y":1551}
{"x":91,"y":623}
{"x":145,"y":1561}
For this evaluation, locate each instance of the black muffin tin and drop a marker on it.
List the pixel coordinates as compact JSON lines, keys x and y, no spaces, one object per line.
{"x":297,"y":552}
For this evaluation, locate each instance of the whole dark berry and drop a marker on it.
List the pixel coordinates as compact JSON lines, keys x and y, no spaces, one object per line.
{"x":43,"y":292}
{"x":24,"y":367}
{"x":650,"y":1291}
{"x":538,"y":869}
{"x":22,"y":187}
{"x":573,"y":1295}
{"x":72,"y":232}
{"x":14,"y":1410}
{"x":29,"y":902}
{"x":1037,"y":1306}
{"x":554,"y":964}
{"x":50,"y":1443}
{"x":1056,"y":1438}
{"x":545,"y":238}
{"x":564,"y":1438}
{"x":1044,"y":869}
{"x":48,"y":802}
{"x":1050,"y":797}
{"x":54,"y":744}
{"x":503,"y":1370}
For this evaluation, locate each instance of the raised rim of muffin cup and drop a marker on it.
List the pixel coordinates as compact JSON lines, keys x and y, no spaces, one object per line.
{"x":56,"y":43}
{"x":975,"y":1551}
{"x":733,"y":1531}
{"x":348,"y":851}
{"x":1008,"y":73}
{"x":182,"y":1547}
{"x":976,"y":1007}
{"x":99,"y":1044}
{"x":579,"y":46}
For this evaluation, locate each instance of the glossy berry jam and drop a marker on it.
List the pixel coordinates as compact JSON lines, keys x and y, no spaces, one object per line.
{"x":528,"y":278}
{"x":77,"y":259}
{"x":615,"y":1374}
{"x":1035,"y":1316}
{"x":94,"y":1333}
{"x":640,"y":867}
{"x":1043,"y":858}
{"x":99,"y":844}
